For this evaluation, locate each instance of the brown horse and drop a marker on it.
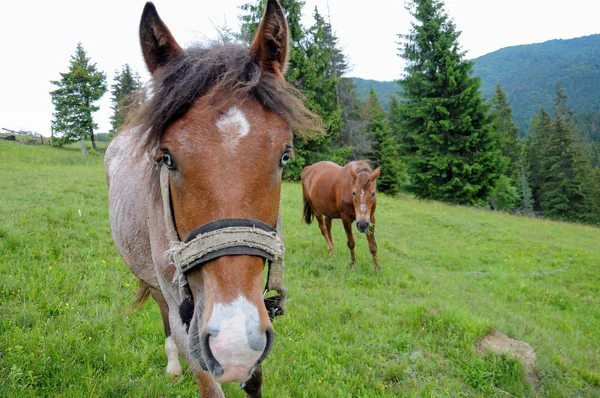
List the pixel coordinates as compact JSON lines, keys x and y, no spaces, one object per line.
{"x":194,"y":190}
{"x":348,"y":192}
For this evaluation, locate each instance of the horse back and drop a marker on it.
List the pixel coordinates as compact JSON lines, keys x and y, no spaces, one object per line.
{"x":322,"y":184}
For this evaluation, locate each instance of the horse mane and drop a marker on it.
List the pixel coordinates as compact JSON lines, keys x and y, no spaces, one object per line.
{"x":362,"y":166}
{"x":227,"y":69}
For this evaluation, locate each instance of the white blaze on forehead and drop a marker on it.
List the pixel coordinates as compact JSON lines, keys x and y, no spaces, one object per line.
{"x":233,"y":125}
{"x":363,"y":205}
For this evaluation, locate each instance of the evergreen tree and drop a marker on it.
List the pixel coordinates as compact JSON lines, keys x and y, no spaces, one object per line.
{"x":505,"y":194}
{"x":395,"y":121}
{"x":536,"y":145}
{"x":126,"y":96}
{"x":453,"y":152}
{"x":589,"y":130}
{"x":74,"y":100}
{"x":524,"y":192}
{"x":591,"y":190}
{"x":383,"y":151}
{"x":562,"y":194}
{"x":323,"y":73}
{"x":319,"y":84}
{"x":353,"y":132}
{"x":505,"y":127}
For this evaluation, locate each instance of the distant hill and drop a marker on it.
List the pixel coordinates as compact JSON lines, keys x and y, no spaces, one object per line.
{"x":528,"y":75}
{"x":384,"y":90}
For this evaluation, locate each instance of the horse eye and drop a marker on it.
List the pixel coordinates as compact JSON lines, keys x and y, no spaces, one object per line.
{"x":168,"y":161}
{"x":284,"y":158}
{"x":353,"y":193}
{"x":373,"y":194}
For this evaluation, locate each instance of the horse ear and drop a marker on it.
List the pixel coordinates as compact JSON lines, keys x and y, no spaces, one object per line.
{"x":353,"y":173}
{"x":158,"y":44}
{"x":271,"y":42}
{"x":375,"y":174}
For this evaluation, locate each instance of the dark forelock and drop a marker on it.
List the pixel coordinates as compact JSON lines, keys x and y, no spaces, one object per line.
{"x":228,"y":69}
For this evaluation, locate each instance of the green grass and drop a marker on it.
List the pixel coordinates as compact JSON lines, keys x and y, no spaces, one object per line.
{"x":449,"y":276}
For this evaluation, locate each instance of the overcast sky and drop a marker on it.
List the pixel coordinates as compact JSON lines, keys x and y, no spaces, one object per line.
{"x":39,"y":37}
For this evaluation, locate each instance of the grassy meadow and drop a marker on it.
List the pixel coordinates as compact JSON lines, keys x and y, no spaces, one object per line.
{"x":450,"y":275}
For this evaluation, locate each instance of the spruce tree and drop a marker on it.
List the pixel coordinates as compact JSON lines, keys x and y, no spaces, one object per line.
{"x":126,"y":96}
{"x":353,"y":132}
{"x":536,"y":145}
{"x":395,"y":121}
{"x":326,"y":64}
{"x":505,"y":194}
{"x":592,"y":197}
{"x":383,"y":151}
{"x":74,"y":99}
{"x":562,"y":195}
{"x":524,"y":192}
{"x":319,"y":84}
{"x":508,"y":132}
{"x":453,"y":152}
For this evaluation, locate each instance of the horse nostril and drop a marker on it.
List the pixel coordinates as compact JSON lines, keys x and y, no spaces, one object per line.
{"x":268,"y":345}
{"x":212,"y":365}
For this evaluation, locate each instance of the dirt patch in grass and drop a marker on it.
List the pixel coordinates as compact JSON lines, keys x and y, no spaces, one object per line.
{"x":500,"y":344}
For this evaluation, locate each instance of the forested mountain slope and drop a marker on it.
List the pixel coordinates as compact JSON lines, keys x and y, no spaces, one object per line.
{"x":528,"y":75}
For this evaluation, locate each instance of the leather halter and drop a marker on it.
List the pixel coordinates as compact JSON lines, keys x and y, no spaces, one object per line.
{"x":225,"y":237}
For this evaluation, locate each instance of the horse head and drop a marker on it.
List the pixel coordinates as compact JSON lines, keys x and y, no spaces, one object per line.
{"x":363,"y":194}
{"x":219,"y":120}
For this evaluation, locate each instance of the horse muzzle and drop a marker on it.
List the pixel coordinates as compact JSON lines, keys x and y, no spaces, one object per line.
{"x":362,"y":226}
{"x":233,"y":342}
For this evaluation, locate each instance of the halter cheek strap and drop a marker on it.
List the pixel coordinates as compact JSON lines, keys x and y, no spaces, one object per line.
{"x":225,"y":237}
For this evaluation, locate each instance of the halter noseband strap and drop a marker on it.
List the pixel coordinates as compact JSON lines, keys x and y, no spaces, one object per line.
{"x":226,"y":237}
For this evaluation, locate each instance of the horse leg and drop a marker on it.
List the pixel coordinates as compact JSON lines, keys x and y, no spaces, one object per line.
{"x":328,"y":228}
{"x":173,"y":364}
{"x":207,"y":386}
{"x":253,"y":386}
{"x":323,"y":228}
{"x":348,"y":228}
{"x":372,"y":242}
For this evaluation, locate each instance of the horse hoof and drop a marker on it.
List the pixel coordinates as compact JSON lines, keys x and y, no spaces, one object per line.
{"x":174,"y":370}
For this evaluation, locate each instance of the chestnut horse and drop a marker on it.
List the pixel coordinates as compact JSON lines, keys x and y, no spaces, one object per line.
{"x":331,"y":191}
{"x":194,"y":192}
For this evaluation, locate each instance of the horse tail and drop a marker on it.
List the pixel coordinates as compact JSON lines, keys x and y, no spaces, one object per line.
{"x":141,"y":296}
{"x":308,"y":211}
